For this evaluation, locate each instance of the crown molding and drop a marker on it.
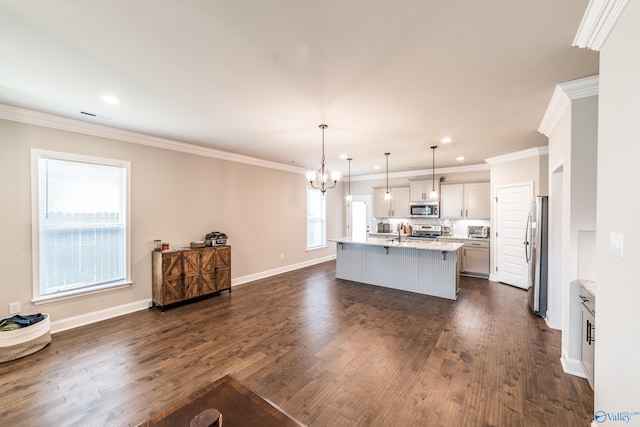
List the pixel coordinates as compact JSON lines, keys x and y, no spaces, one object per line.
{"x":597,"y":23}
{"x":31,"y":117}
{"x":581,"y":88}
{"x":422,"y":172}
{"x":518,"y":155}
{"x":562,"y":96}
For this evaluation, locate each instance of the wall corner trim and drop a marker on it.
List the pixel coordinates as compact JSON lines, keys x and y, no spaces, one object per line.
{"x":597,"y":23}
{"x":562,"y":96}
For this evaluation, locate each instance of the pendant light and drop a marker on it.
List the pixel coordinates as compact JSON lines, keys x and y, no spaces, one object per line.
{"x":323,"y":172}
{"x":349,"y":198}
{"x":434,"y":193}
{"x":387,"y":195}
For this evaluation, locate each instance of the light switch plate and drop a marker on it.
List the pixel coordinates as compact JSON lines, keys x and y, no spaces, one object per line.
{"x":616,"y":244}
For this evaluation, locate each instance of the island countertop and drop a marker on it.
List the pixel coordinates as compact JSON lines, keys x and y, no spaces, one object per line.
{"x":442,"y":246}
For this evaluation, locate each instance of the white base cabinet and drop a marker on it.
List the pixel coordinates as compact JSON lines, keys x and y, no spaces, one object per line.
{"x":475,"y":258}
{"x":587,"y":314}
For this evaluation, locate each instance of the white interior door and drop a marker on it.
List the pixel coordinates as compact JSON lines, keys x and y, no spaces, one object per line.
{"x":359,"y":217}
{"x":512,"y":209}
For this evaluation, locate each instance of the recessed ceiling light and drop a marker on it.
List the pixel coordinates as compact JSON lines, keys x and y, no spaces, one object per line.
{"x":376,"y":167}
{"x":446,"y":140}
{"x":459,"y":158}
{"x":110,"y":99}
{"x":344,"y":156}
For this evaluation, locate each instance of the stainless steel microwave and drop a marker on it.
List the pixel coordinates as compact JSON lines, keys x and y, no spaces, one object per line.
{"x":425,"y":210}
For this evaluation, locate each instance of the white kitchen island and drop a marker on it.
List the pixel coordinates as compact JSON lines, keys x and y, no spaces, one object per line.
{"x":430,"y":268}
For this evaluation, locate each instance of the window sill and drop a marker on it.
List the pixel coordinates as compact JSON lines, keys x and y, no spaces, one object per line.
{"x":60,"y":296}
{"x":315,"y":248}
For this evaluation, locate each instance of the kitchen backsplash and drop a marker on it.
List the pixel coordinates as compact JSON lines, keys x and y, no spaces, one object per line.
{"x":458,"y":227}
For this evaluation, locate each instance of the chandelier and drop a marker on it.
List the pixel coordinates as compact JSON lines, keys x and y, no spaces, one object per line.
{"x":320,"y":179}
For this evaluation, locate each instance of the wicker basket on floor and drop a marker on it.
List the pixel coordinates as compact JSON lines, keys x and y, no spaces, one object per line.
{"x":25,"y":341}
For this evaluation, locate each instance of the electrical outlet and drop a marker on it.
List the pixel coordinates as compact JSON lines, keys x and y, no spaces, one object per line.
{"x":281,"y":256}
{"x":14,"y":308}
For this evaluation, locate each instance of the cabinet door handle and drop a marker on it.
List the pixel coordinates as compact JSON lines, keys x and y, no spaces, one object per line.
{"x":466,"y":213}
{"x":461,"y":213}
{"x":588,"y":331}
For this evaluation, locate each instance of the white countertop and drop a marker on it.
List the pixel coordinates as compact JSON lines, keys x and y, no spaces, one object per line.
{"x":463,"y":238}
{"x":589,"y":285}
{"x":431,"y":245}
{"x":392,"y":235}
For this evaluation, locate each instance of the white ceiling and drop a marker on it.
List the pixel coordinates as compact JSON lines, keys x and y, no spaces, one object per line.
{"x":257,"y":77}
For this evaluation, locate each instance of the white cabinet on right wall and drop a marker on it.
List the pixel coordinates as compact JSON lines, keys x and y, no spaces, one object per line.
{"x":468,"y":200}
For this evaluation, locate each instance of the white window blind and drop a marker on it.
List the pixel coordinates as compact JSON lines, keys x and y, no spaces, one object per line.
{"x":316,"y":219}
{"x":82,"y":224}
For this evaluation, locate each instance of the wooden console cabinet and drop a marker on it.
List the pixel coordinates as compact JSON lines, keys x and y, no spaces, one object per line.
{"x":181,"y":274}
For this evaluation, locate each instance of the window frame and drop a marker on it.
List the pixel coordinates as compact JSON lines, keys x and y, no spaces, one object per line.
{"x":323,"y":244}
{"x":38,"y":296}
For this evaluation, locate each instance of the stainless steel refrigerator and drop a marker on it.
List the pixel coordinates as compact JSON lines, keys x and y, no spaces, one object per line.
{"x":536,"y":250}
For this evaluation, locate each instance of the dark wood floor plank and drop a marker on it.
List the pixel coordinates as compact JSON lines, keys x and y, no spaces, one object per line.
{"x":329,"y":352}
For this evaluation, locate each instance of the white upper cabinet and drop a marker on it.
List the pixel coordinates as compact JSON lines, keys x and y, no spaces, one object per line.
{"x":420,"y":190}
{"x":397,"y":207}
{"x":469,"y":200}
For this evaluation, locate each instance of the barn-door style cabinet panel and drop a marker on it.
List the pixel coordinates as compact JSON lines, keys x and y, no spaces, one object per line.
{"x":182,"y":274}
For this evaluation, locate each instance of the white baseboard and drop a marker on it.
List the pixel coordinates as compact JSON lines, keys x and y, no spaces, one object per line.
{"x":279,"y":270}
{"x":108,"y":313}
{"x":572,"y":366}
{"x":96,"y":316}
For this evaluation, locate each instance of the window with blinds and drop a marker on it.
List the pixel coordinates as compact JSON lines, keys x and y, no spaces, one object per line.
{"x":316,"y":219}
{"x":82,"y":224}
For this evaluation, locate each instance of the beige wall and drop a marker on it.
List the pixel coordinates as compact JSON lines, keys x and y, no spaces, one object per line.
{"x":617,"y":347}
{"x":522,"y":171}
{"x":176,"y":197}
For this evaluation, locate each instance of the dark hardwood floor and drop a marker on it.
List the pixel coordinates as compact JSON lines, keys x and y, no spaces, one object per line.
{"x":329,"y":352}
